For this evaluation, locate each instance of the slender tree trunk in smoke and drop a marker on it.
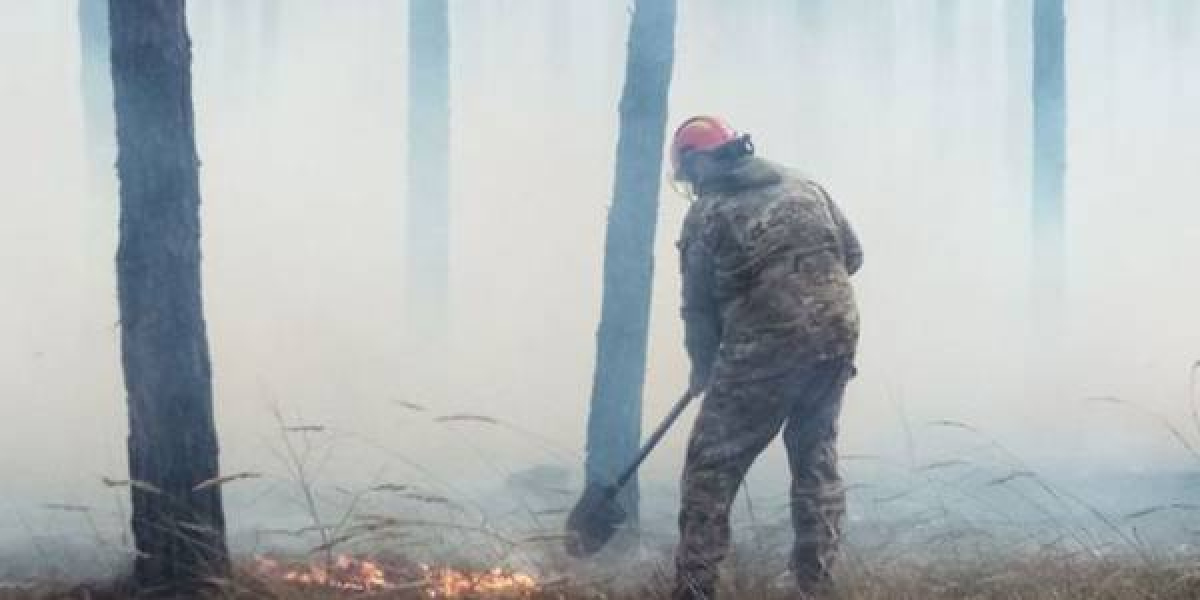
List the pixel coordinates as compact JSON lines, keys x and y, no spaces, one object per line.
{"x":96,"y":88}
{"x":615,"y":418}
{"x":1049,"y":150}
{"x":178,"y":524}
{"x":428,"y":166}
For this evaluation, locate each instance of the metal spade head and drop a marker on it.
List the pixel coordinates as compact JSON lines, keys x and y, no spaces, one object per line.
{"x":594,"y":520}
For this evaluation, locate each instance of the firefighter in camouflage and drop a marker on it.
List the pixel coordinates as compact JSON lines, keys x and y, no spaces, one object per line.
{"x":771,"y":329}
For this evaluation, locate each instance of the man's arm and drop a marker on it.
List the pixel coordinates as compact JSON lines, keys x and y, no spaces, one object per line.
{"x":701,"y":318}
{"x":852,"y":252}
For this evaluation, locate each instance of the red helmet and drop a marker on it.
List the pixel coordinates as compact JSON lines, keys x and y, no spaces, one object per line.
{"x":700,"y":133}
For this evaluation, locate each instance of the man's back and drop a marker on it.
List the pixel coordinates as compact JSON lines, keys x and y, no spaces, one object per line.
{"x":768,"y":255}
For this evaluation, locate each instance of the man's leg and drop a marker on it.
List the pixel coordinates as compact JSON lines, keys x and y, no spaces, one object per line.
{"x":736,"y":422}
{"x":818,"y":498}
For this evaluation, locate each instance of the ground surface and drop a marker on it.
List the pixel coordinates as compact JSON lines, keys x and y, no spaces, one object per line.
{"x":1035,"y":578}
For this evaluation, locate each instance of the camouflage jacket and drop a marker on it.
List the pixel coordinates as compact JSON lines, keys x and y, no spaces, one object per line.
{"x":766,"y":258}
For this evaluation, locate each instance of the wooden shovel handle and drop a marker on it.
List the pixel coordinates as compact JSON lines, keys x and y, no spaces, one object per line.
{"x":653,"y":441}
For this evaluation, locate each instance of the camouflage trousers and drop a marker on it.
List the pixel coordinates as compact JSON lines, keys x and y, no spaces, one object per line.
{"x":737,"y":421}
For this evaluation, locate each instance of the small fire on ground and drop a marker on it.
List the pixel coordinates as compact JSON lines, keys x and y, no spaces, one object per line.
{"x":361,"y":575}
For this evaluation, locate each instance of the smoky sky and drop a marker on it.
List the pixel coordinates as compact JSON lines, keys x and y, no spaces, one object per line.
{"x":918,"y":123}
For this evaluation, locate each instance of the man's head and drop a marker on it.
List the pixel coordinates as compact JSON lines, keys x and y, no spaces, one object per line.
{"x":704,"y":144}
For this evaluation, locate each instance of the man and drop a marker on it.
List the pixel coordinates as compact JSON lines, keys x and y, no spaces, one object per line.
{"x":771,"y":329}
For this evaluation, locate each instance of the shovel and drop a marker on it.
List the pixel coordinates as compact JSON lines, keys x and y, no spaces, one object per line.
{"x":596,"y":516}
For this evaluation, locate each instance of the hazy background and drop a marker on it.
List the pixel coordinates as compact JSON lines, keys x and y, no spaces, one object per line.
{"x":920,"y":131}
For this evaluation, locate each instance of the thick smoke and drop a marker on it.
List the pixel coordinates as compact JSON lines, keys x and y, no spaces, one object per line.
{"x":922,"y":136}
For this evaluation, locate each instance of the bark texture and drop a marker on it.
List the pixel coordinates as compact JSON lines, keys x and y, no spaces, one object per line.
{"x":178,"y":528}
{"x":615,"y":417}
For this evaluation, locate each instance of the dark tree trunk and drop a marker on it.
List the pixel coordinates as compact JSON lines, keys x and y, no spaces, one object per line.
{"x":179,"y":530}
{"x":615,"y":418}
{"x":428,"y":166}
{"x":1049,"y":147}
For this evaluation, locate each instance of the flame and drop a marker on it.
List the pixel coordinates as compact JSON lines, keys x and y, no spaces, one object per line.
{"x":451,"y":583}
{"x":361,"y":575}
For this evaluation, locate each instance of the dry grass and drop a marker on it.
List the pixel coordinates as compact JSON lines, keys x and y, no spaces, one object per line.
{"x":969,"y":527}
{"x":1033,"y":578}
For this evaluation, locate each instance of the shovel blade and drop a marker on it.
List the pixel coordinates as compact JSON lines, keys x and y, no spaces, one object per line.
{"x":594,"y":520}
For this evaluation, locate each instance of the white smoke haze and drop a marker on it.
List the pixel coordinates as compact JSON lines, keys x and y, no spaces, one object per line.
{"x":302,"y":134}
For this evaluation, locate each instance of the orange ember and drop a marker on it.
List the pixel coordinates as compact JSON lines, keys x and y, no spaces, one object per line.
{"x":361,"y":575}
{"x":450,"y":583}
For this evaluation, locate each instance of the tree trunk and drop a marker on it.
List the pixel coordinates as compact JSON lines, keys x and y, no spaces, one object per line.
{"x":1049,"y":148}
{"x":179,"y":529}
{"x":615,"y":418}
{"x":428,"y":167}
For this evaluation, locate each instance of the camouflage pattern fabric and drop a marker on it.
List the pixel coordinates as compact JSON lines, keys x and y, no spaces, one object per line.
{"x":766,"y":258}
{"x":736,"y":423}
{"x":771,"y":329}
